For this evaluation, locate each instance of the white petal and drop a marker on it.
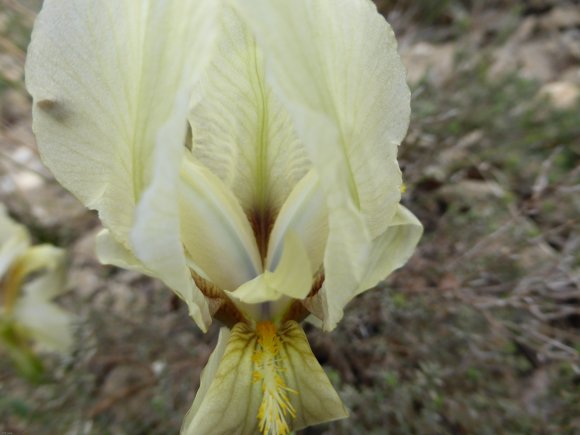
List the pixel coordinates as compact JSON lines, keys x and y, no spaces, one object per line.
{"x":207,"y":376}
{"x":334,"y":65}
{"x":304,"y":214}
{"x":230,"y":395}
{"x":110,"y":251}
{"x":104,"y":76}
{"x":291,"y":277}
{"x":255,"y":291}
{"x":393,"y":248}
{"x":46,"y":260}
{"x":215,"y":231}
{"x":14,"y":240}
{"x":47,"y":324}
{"x":229,"y":398}
{"x":52,"y":281}
{"x":316,"y":401}
{"x":240,"y":129}
{"x":339,"y":58}
{"x":156,"y":237}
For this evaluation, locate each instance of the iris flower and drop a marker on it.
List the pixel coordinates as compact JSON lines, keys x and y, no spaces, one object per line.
{"x":30,"y":277}
{"x":243,"y":152}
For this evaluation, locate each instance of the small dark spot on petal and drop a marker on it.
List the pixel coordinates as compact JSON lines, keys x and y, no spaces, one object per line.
{"x":53,"y":108}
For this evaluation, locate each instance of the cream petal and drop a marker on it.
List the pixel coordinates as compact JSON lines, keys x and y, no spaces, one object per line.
{"x":207,"y":376}
{"x":231,"y":394}
{"x":44,"y":259}
{"x":304,"y":214}
{"x":104,"y":76}
{"x":317,"y":401}
{"x":110,"y":251}
{"x":334,"y":65}
{"x":14,"y":240}
{"x":348,"y":243}
{"x":156,"y":238}
{"x":214,"y":229}
{"x":393,"y":248}
{"x":390,"y":251}
{"x":255,"y":291}
{"x":240,"y":129}
{"x":339,"y":59}
{"x":47,"y":324}
{"x":229,"y":399}
{"x":291,"y":277}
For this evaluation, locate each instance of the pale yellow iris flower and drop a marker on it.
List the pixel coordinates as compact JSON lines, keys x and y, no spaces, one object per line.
{"x":30,"y":278}
{"x":244,"y":152}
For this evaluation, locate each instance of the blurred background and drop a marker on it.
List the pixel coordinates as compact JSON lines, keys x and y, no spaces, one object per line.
{"x":478,"y":334}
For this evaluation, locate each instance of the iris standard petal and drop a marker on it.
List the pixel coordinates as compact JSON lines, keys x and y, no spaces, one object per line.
{"x":335,"y":66}
{"x":339,"y":58}
{"x":111,"y":82}
{"x":242,"y":132}
{"x":104,"y":76}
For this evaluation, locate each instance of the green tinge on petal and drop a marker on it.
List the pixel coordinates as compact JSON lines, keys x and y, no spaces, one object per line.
{"x":231,"y":400}
{"x":231,"y":392}
{"x":16,"y":346}
{"x":317,"y":401}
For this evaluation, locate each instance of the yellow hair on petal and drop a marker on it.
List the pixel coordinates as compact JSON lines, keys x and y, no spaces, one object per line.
{"x":275,"y":405}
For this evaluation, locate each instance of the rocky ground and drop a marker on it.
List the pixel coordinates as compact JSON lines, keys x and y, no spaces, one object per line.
{"x":478,"y":334}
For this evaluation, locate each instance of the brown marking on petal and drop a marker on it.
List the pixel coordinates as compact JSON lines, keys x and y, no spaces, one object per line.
{"x":54,"y":109}
{"x":226,"y":312}
{"x":209,"y":289}
{"x":262,"y":222}
{"x":317,"y":282}
{"x":188,"y":142}
{"x":220,"y":306}
{"x":299,"y":309}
